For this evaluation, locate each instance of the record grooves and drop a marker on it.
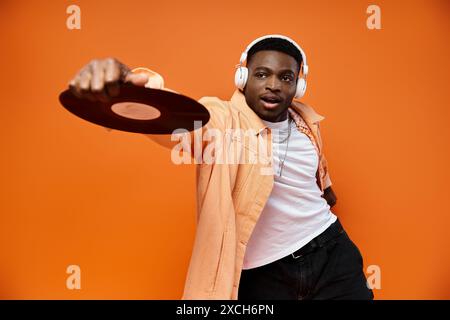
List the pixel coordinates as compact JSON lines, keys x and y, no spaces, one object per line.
{"x":176,"y":110}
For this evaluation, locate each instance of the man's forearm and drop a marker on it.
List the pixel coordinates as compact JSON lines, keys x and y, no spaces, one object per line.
{"x":330,"y":196}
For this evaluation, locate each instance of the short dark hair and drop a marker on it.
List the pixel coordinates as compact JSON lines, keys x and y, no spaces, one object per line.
{"x":277,"y":44}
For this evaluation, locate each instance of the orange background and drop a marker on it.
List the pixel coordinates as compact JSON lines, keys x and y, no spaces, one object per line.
{"x":114,"y":204}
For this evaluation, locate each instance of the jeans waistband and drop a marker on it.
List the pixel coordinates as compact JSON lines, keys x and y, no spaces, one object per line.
{"x":333,"y":231}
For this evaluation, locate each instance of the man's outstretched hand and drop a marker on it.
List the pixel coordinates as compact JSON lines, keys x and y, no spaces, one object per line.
{"x":100,"y":79}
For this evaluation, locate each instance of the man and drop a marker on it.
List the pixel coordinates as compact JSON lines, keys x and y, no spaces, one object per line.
{"x":264,"y":228}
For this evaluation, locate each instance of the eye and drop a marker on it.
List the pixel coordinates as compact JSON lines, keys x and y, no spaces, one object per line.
{"x":287,"y":78}
{"x":260,"y":74}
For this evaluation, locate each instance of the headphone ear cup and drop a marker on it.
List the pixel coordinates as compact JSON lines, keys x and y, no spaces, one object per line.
{"x":240,"y":77}
{"x":301,"y":88}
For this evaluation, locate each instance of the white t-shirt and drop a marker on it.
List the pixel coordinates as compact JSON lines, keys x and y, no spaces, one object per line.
{"x":295,"y":212}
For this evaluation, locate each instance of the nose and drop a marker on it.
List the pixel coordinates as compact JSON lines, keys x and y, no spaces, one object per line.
{"x":272,"y":83}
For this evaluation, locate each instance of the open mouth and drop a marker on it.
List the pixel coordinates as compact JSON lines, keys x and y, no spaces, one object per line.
{"x":270,"y":102}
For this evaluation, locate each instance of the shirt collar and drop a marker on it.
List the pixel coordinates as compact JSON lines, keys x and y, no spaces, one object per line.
{"x":238,"y":100}
{"x":307,"y":112}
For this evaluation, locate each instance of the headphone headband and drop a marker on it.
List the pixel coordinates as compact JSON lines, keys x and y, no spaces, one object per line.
{"x":244,"y":54}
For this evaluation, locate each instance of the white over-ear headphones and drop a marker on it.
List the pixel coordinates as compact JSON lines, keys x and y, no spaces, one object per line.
{"x":241,"y":75}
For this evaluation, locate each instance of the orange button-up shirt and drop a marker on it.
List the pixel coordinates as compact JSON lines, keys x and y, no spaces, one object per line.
{"x":230,"y":197}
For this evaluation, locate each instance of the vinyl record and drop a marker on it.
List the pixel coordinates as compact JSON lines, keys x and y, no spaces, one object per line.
{"x":140,"y":110}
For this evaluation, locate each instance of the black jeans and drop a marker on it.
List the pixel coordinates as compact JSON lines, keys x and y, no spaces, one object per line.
{"x":329,"y":267}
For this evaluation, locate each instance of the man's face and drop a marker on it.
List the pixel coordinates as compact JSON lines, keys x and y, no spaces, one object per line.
{"x":271,"y":84}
